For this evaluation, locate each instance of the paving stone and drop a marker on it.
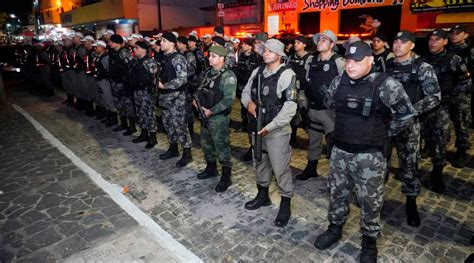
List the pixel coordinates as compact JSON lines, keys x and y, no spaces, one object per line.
{"x":70,"y":228}
{"x":37,"y":227}
{"x":49,"y":200}
{"x":43,"y":239}
{"x":31,"y":217}
{"x":56,"y":212}
{"x":71,"y":246}
{"x":96,"y":232}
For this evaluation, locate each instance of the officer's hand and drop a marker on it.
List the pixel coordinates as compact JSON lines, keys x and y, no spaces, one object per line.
{"x":160,"y":85}
{"x":251,"y":108}
{"x":194,"y":104}
{"x":263,"y":132}
{"x":207,"y":112}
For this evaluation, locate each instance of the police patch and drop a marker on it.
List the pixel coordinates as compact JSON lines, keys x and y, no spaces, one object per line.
{"x":179,"y":67}
{"x":232,"y":80}
{"x":326,"y":67}
{"x":399,"y":34}
{"x":301,"y":63}
{"x":353,"y":50}
{"x":430,"y":88}
{"x":402,"y":109}
{"x":266,"y":90}
{"x":211,"y":85}
{"x":352,"y":104}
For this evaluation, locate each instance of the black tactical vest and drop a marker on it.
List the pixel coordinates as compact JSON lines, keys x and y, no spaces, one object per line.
{"x":320,"y":75}
{"x":408,"y":76}
{"x":297,"y":64}
{"x":209,"y":93}
{"x":140,"y":77}
{"x":268,"y":94}
{"x":245,"y":66}
{"x":100,"y":71}
{"x":464,"y":53}
{"x":167,"y":71}
{"x":118,"y":68}
{"x":362,"y":120}
{"x":199,"y":62}
{"x":440,"y":63}
{"x":381,"y":59}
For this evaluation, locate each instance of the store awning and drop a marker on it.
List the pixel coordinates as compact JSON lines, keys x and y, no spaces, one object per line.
{"x":455,"y":18}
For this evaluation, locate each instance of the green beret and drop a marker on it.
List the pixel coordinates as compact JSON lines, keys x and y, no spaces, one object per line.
{"x":218,"y":50}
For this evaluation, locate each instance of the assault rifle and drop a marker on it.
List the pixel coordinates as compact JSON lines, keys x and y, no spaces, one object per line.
{"x":202,"y":115}
{"x":257,"y":139}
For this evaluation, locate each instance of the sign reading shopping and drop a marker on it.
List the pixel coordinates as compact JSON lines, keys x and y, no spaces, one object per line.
{"x":417,"y":6}
{"x":334,"y":5}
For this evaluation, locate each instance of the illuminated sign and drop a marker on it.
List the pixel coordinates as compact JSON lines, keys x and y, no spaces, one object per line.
{"x":440,"y":5}
{"x":282,"y":5}
{"x":334,"y":5}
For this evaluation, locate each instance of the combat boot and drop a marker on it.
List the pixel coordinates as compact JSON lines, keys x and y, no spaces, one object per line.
{"x":210,"y":171}
{"x":112,"y":121}
{"x":101,"y":113}
{"x":143,"y":137}
{"x":460,"y":158}
{"x":131,"y":128}
{"x":107,"y":116}
{"x":260,"y":200}
{"x":309,"y":171}
{"x":171,"y":152}
{"x":123,"y":125}
{"x":368,"y":253}
{"x":191,"y":128}
{"x":328,"y":237}
{"x":247,"y":157}
{"x":89,"y":109}
{"x":413,"y":218}
{"x":151,"y":140}
{"x":225,"y":181}
{"x":437,"y":184}
{"x":284,"y":213}
{"x":186,"y":158}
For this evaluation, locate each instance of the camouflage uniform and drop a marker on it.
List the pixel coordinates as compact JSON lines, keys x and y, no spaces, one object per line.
{"x":143,"y":82}
{"x":119,"y":61}
{"x":230,"y":60}
{"x":215,"y":138}
{"x":364,"y":168}
{"x":420,"y":82}
{"x":190,"y":86}
{"x":172,"y":98}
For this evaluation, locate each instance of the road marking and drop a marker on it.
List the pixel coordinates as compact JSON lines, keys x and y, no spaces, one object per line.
{"x":162,"y":237}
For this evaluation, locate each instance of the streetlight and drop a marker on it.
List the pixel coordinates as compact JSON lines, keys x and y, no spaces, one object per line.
{"x":12,"y":16}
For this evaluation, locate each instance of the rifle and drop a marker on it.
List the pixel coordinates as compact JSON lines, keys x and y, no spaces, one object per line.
{"x":202,"y":115}
{"x":257,"y":139}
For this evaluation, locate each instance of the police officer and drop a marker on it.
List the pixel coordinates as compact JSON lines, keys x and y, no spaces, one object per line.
{"x":216,"y":94}
{"x":380,"y":52}
{"x":173,"y":79}
{"x":66,"y":71}
{"x":454,"y":81}
{"x":370,"y":107}
{"x":42,"y":68}
{"x":461,"y":108}
{"x":200,"y":59}
{"x":278,"y":97}
{"x":420,"y":82}
{"x":321,"y":71}
{"x":91,"y":87}
{"x":81,"y":86}
{"x":230,"y":60}
{"x":143,"y":83}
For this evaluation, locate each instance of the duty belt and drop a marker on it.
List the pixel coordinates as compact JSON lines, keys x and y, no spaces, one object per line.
{"x":351,"y":148}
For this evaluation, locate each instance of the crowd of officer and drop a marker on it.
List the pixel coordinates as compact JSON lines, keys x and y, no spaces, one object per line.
{"x":355,"y":105}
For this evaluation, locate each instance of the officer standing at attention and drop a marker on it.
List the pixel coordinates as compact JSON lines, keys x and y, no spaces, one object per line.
{"x":278,"y":96}
{"x":172,"y":84}
{"x":420,"y":83}
{"x":461,"y":108}
{"x":143,"y":83}
{"x":322,"y":70}
{"x":216,"y":94}
{"x":370,"y":107}
{"x":380,"y":52}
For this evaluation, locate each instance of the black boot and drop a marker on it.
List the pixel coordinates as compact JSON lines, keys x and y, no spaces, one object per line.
{"x":90,"y":109}
{"x":309,"y":171}
{"x":191,"y":128}
{"x":151,"y":140}
{"x":80,"y":106}
{"x":123,"y":125}
{"x":329,"y":237}
{"x":107,"y":116}
{"x":143,"y":137}
{"x":247,"y":157}
{"x":460,"y":158}
{"x":413,"y":218}
{"x":260,"y":200}
{"x":112,"y":121}
{"x":131,"y":128}
{"x":284,"y":213}
{"x":225,"y":181}
{"x":171,"y":152}
{"x":437,"y":184}
{"x":294,"y":130}
{"x":186,"y":158}
{"x":369,"y":251}
{"x":101,"y":113}
{"x":210,"y":171}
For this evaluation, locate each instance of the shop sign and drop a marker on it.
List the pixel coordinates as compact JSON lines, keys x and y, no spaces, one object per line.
{"x":282,"y":5}
{"x":417,"y":6}
{"x":334,"y":5}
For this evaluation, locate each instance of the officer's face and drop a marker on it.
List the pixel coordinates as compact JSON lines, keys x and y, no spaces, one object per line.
{"x":139,"y":52}
{"x":357,"y":69}
{"x":156,"y":48}
{"x":76,"y":40}
{"x":299,"y":46}
{"x":377,"y":44}
{"x":456,"y":37}
{"x":216,"y":61}
{"x":270,"y":57}
{"x":99,"y":49}
{"x":402,"y":47}
{"x":324,"y":44}
{"x":207,"y":40}
{"x":436,"y":44}
{"x":181,"y":46}
{"x":245,"y":48}
{"x":191,"y":44}
{"x":166,"y":45}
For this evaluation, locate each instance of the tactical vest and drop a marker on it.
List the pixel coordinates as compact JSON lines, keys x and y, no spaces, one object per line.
{"x":118,"y":68}
{"x":271,"y":104}
{"x":320,"y":75}
{"x":408,"y":76}
{"x":100,"y":71}
{"x":209,"y":93}
{"x":441,"y":63}
{"x":140,"y":77}
{"x":245,"y":66}
{"x":381,"y":59}
{"x":362,"y":120}
{"x":199,"y":62}
{"x":297,"y":64}
{"x":167,"y":71}
{"x":464,"y":53}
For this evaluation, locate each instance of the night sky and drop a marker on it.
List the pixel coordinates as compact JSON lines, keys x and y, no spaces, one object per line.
{"x":15,"y":6}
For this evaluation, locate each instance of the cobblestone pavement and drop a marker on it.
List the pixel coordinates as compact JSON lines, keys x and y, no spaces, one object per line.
{"x":217,"y":228}
{"x":50,"y":210}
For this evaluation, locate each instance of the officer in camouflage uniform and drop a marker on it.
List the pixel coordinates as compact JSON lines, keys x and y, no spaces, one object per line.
{"x":461,"y":108}
{"x":172,"y":84}
{"x":420,"y":82}
{"x":380,"y":52}
{"x":182,"y":46}
{"x":278,"y":97}
{"x":454,"y":81}
{"x":230,"y":60}
{"x":216,"y":94}
{"x":370,"y":107}
{"x":143,"y":83}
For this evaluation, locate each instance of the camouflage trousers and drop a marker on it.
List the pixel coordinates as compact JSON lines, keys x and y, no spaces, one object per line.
{"x":215,"y":140}
{"x":460,"y":113}
{"x":145,"y":109}
{"x":173,"y":114}
{"x":188,"y":104}
{"x":407,"y":144}
{"x":364,"y":173}
{"x":122,"y":102}
{"x":435,"y":133}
